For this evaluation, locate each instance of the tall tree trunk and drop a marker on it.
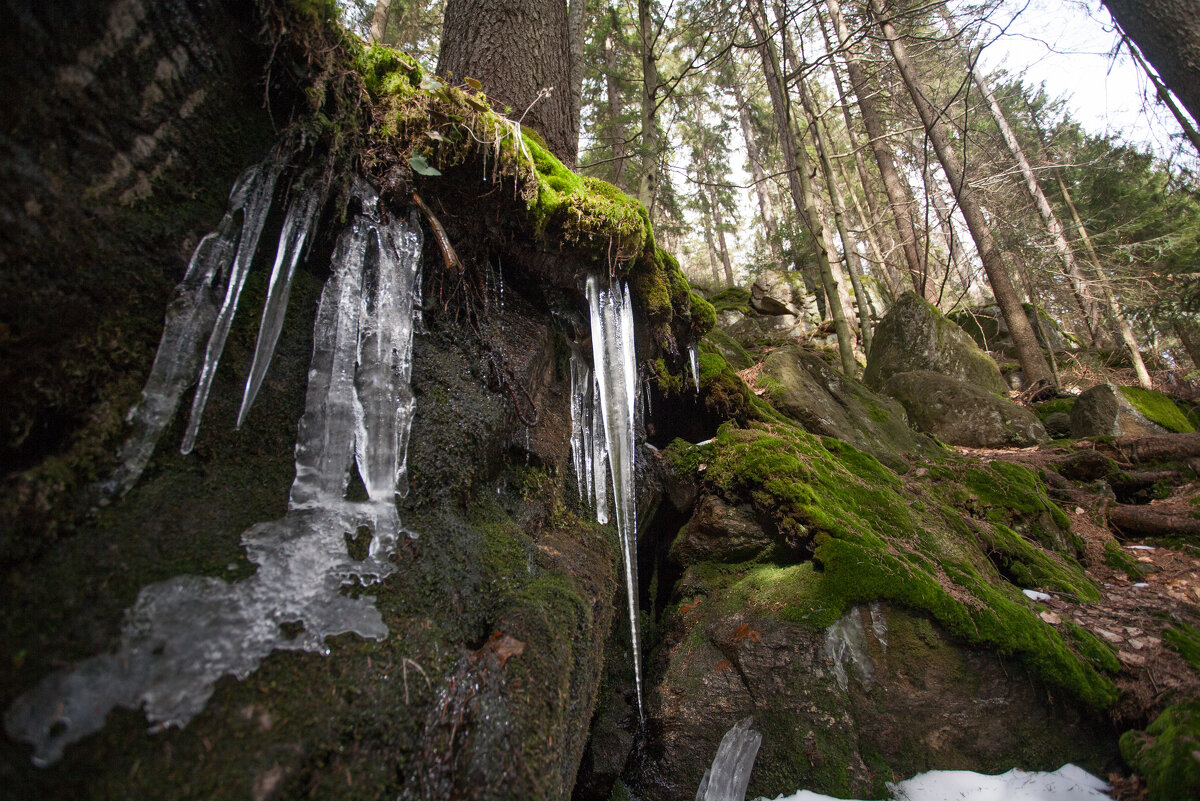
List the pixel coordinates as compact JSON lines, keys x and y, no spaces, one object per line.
{"x":799,"y":181}
{"x":1078,"y":281}
{"x":516,"y":50}
{"x":889,"y":275}
{"x":1189,"y":336}
{"x":613,"y":97}
{"x":713,"y":261}
{"x":1168,"y":34}
{"x":576,"y":30}
{"x":1115,"y":315}
{"x":1029,"y":353}
{"x":955,"y":250}
{"x":765,"y":208}
{"x":849,"y":252}
{"x":1164,"y":95}
{"x":719,"y":226}
{"x":899,"y":193}
{"x":648,"y":181}
{"x":379,"y":21}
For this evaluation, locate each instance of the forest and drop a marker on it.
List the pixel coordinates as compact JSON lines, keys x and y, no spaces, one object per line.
{"x":596,"y":400}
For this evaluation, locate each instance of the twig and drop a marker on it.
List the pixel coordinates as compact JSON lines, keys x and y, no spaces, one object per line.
{"x":439,"y":235}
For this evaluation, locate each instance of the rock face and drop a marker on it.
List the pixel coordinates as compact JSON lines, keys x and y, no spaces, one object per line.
{"x":986,"y":325}
{"x":914,"y":335}
{"x":826,"y":402}
{"x":960,"y":413}
{"x":776,"y":293}
{"x":1103,"y":411}
{"x":881,"y":686}
{"x":776,"y":309}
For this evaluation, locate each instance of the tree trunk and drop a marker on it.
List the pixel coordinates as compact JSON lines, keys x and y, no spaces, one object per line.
{"x":719,"y":227}
{"x":765,"y":209}
{"x":1116,"y":317}
{"x":613,"y":97}
{"x":899,"y":193}
{"x":648,"y":181}
{"x":1029,"y":353}
{"x":1151,"y":521}
{"x":516,"y":50}
{"x":1078,"y":281}
{"x":885,"y":270}
{"x":1168,"y":34}
{"x":576,"y":30}
{"x":1189,"y":336}
{"x":796,"y":162}
{"x":849,"y":253}
{"x":379,"y":21}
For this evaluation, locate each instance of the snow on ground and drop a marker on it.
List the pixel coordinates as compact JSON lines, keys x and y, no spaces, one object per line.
{"x":1068,"y":783}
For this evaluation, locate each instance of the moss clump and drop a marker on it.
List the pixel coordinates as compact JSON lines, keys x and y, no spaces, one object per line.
{"x":1033,"y":567}
{"x":1047,"y":408}
{"x":1167,"y":753}
{"x":1186,"y":640}
{"x":1158,"y":408}
{"x":1092,"y":648}
{"x":1117,"y":559}
{"x":735,"y":298}
{"x":1013,"y":495}
{"x":386,"y":71}
{"x":871,"y":542}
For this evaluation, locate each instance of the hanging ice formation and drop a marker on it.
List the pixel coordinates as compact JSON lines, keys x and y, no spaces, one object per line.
{"x":183,"y":634}
{"x":694,"y":364}
{"x":607,"y":398}
{"x":729,"y":775}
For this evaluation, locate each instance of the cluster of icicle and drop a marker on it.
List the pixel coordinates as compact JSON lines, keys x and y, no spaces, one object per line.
{"x":183,"y":634}
{"x":606,"y":398}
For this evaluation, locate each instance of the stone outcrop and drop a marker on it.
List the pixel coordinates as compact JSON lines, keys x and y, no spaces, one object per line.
{"x":808,"y":389}
{"x":960,"y":413}
{"x":914,"y":335}
{"x":1103,"y":411}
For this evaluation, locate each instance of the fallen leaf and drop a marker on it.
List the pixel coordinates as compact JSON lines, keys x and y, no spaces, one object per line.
{"x":724,"y":664}
{"x":1050,"y":618}
{"x":504,"y":647}
{"x":744,"y":632}
{"x":474,"y":84}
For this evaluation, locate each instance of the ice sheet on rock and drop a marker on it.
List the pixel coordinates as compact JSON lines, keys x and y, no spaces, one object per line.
{"x":589,"y":454}
{"x":189,"y":321}
{"x":613,"y":358}
{"x":729,"y":775}
{"x":293,"y":242}
{"x":846,"y":646}
{"x":260,"y":190}
{"x":1068,"y":783}
{"x":183,"y":634}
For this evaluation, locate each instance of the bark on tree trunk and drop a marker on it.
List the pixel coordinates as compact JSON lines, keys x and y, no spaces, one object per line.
{"x":516,"y":50}
{"x":899,"y":193}
{"x":1168,"y":34}
{"x":613,"y":98}
{"x":379,"y":21}
{"x":719,"y":227}
{"x":1189,"y":336}
{"x":1029,"y":354}
{"x":1150,"y":521}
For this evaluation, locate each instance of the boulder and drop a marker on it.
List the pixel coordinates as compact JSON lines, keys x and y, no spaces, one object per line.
{"x":986,"y":325}
{"x":1103,"y":411}
{"x":718,"y":531}
{"x":960,"y":413}
{"x":1058,"y":425}
{"x":752,"y":330}
{"x":808,"y":389}
{"x":775,"y":293}
{"x":914,"y":335}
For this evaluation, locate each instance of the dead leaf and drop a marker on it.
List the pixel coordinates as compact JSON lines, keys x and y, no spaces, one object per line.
{"x":504,"y":647}
{"x":724,"y":664}
{"x":1050,"y":618}
{"x":744,"y":632}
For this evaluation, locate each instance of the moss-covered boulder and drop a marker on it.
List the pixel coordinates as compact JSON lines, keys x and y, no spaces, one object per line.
{"x":1167,"y":753}
{"x":864,"y":634}
{"x":961,"y":413}
{"x":1159,"y":408}
{"x":914,"y":335}
{"x":805,"y":387}
{"x":987,"y":326}
{"x":1104,"y":411}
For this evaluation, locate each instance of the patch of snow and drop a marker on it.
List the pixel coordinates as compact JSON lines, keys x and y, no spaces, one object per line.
{"x":1068,"y":783}
{"x":1034,"y":595}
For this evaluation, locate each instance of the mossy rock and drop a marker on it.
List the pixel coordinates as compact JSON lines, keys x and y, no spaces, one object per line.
{"x":1158,"y":408}
{"x":803,"y":386}
{"x":1167,"y":753}
{"x":914,"y":335}
{"x":958,"y":412}
{"x":1104,"y":411}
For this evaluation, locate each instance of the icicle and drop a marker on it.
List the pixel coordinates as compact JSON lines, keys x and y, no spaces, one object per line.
{"x":257,"y":204}
{"x":616,"y":378}
{"x":694,"y":364}
{"x":293,"y":241}
{"x":182,"y":635}
{"x":189,"y":319}
{"x":729,"y":775}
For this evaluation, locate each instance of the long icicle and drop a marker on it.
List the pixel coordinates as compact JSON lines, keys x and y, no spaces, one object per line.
{"x":616,"y":377}
{"x":293,"y":241}
{"x":255,"y":216}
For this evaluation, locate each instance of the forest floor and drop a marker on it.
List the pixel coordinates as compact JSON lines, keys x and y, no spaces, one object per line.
{"x":1134,"y":614}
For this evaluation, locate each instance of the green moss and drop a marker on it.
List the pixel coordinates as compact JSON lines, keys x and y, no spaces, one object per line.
{"x":872,"y":543}
{"x":1158,"y":408}
{"x":1014,"y":495}
{"x":1186,"y":640}
{"x":1032,"y":567}
{"x":1092,"y":648}
{"x":386,"y":71}
{"x":1115,"y":557}
{"x":1047,"y":408}
{"x":1167,"y":753}
{"x":735,"y":298}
